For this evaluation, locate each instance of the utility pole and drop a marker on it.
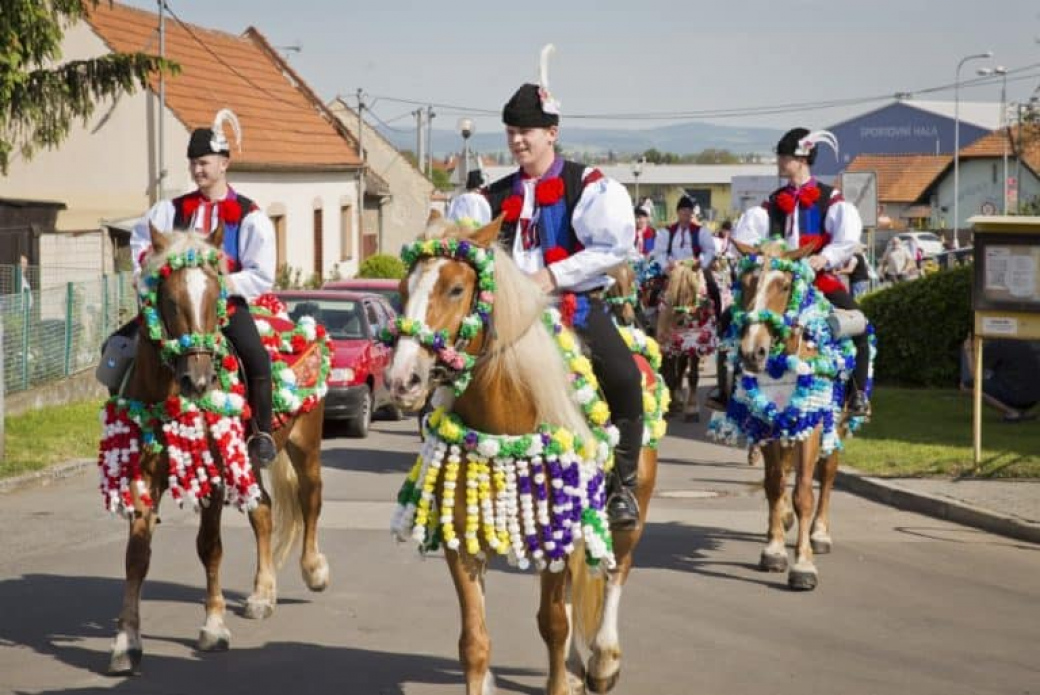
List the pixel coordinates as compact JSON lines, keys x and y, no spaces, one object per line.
{"x":361,"y":154}
{"x":420,"y":156}
{"x":429,"y":137}
{"x":161,"y":154}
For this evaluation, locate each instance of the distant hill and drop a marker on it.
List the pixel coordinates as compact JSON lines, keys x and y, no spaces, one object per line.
{"x":682,"y":138}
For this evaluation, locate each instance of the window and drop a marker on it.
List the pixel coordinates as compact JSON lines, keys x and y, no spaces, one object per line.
{"x":319,"y":244}
{"x":278,"y":222}
{"x":346,"y":231}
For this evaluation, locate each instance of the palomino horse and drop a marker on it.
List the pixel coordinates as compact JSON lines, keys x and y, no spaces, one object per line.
{"x":185,"y":274}
{"x":686,"y":330}
{"x":516,"y":386}
{"x":622,"y":296}
{"x":790,"y":401}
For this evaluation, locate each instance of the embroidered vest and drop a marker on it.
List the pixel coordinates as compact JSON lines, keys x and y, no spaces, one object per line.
{"x":810,"y":229}
{"x":695,"y":242}
{"x":556,"y":236}
{"x":232,"y":210}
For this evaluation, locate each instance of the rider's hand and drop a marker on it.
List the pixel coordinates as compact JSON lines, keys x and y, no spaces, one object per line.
{"x":545,"y":280}
{"x":818,"y":262}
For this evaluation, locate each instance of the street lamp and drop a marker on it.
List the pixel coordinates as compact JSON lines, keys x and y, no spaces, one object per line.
{"x":1002,"y":71}
{"x":466,"y":129}
{"x":637,"y":169}
{"x":957,"y":141}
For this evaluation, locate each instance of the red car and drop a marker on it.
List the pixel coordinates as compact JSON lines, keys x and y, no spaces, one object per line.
{"x":352,"y":320}
{"x":388,"y":289}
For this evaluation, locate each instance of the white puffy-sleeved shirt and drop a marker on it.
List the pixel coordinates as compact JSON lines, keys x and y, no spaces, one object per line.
{"x":604,"y":222}
{"x":682,"y":245}
{"x":257,"y":254}
{"x":842,"y":222}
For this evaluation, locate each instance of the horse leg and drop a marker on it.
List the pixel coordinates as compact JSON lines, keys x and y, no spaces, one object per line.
{"x":474,"y":642}
{"x":554,"y":626}
{"x":307,"y":461}
{"x":803,"y":575}
{"x":261,"y":602}
{"x":214,"y":635}
{"x":604,"y":667}
{"x":820,"y":538}
{"x":774,"y":555}
{"x":691,"y":413}
{"x":127,"y":650}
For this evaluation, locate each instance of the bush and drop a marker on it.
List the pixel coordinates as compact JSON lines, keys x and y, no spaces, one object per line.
{"x":382,"y":265}
{"x":920,"y":328}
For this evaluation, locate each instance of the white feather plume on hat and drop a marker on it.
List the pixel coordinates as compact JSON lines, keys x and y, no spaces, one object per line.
{"x":219,"y":143}
{"x":549,"y":104}
{"x":806,"y":144}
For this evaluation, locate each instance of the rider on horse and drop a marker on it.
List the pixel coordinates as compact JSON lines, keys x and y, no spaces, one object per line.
{"x":686,"y":240}
{"x":566,"y":225}
{"x":807,"y":212}
{"x":249,"y":246}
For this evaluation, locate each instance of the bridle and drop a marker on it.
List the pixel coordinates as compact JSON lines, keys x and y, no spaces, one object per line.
{"x":212,"y":344}
{"x":780,"y":325}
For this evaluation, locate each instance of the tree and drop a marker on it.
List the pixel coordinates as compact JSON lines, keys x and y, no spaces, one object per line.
{"x":39,"y":97}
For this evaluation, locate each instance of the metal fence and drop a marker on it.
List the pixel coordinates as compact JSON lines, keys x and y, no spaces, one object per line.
{"x":57,"y":330}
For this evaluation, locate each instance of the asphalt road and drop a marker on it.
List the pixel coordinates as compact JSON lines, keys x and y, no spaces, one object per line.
{"x":906,"y":604}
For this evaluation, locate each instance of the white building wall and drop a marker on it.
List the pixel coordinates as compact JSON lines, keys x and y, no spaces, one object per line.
{"x":297,"y":196}
{"x":981,"y":189}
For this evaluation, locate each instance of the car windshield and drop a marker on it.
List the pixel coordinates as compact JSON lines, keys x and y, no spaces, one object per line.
{"x":341,"y":317}
{"x":927,"y":236}
{"x":390,"y":294}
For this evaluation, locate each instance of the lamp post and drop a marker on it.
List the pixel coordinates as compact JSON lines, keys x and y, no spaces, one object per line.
{"x":1002,"y":71}
{"x":637,"y":170}
{"x":466,"y":129}
{"x":957,"y":141}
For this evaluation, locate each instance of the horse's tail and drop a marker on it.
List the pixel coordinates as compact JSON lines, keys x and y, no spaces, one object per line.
{"x":588,"y":590}
{"x":287,"y":515}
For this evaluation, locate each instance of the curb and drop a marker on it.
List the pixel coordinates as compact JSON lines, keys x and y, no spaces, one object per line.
{"x":45,"y":477}
{"x":948,"y":509}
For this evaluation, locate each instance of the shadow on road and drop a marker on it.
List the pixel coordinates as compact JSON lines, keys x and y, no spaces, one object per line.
{"x":52,"y":615}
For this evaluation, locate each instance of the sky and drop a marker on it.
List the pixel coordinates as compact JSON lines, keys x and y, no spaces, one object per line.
{"x":650,"y":57}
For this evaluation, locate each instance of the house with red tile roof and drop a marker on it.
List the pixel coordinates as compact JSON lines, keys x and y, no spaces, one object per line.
{"x":295,"y":160}
{"x":917,"y":190}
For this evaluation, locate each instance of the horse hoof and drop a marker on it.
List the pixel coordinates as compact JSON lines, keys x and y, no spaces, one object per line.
{"x":602,"y":685}
{"x":772,"y":563}
{"x":258,"y":609}
{"x":820,"y":546}
{"x":125,"y":663}
{"x":317,"y":577}
{"x":214,"y":641}
{"x":575,"y":684}
{"x":802,"y":581}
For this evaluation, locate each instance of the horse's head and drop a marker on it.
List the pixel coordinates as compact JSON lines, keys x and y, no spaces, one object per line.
{"x":623,"y":294}
{"x":768,"y":276}
{"x":447,"y":297}
{"x":185,"y":305}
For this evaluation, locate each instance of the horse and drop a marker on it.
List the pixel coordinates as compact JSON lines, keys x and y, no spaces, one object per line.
{"x":686,"y":329}
{"x":623,"y":297}
{"x":790,"y":400}
{"x":189,"y":382}
{"x":500,"y":356}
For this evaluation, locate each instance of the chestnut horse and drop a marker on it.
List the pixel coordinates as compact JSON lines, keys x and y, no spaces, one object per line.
{"x":686,"y":332}
{"x":187,"y":304}
{"x":517,"y":383}
{"x":783,"y":341}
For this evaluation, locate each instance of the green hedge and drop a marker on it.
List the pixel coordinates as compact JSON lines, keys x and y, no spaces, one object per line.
{"x":382,"y":265}
{"x":920,"y":328}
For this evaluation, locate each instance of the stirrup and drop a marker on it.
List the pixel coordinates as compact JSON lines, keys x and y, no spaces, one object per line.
{"x":262,"y":449}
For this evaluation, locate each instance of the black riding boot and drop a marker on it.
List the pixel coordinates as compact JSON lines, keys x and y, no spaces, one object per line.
{"x":622,"y":506}
{"x":260,"y":445}
{"x":858,"y":404}
{"x":718,"y":397}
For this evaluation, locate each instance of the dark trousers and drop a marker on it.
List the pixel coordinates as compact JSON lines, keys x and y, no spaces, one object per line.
{"x":241,"y":331}
{"x":843,"y":300}
{"x":621,"y":382}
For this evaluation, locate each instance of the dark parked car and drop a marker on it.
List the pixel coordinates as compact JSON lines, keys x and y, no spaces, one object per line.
{"x":352,"y":320}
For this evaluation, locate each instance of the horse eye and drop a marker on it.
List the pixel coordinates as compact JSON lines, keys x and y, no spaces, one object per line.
{"x":456,"y":291}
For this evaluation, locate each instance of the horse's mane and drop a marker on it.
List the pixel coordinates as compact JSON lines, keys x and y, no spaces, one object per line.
{"x":683,"y":286}
{"x":178,"y":242}
{"x":520,"y":348}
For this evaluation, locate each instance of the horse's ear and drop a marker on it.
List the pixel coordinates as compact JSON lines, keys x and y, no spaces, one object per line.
{"x":435,"y":215}
{"x":159,"y":240}
{"x":745,"y":249}
{"x":217,"y":237}
{"x":800,"y":252}
{"x":488,"y":234}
